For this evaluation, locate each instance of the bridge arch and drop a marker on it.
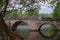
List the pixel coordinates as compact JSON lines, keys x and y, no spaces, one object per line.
{"x":14,"y":26}
{"x":48,"y":29}
{"x":21,"y":28}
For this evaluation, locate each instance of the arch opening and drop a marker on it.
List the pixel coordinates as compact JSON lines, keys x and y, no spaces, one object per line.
{"x":21,"y":28}
{"x":47,"y":30}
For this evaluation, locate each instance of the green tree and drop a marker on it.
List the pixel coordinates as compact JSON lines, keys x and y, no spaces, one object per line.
{"x":32,"y":12}
{"x":12,"y":14}
{"x":45,"y":15}
{"x":56,"y":11}
{"x":4,"y":29}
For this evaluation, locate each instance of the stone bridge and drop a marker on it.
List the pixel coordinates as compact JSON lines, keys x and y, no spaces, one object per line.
{"x":34,"y":24}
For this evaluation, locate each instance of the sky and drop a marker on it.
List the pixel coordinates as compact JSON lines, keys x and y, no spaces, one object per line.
{"x":46,"y":9}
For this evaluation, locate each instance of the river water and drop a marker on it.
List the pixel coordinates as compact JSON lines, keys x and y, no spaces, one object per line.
{"x":26,"y":34}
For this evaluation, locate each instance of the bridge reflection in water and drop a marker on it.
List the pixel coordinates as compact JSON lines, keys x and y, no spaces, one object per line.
{"x":22,"y":29}
{"x":29,"y":29}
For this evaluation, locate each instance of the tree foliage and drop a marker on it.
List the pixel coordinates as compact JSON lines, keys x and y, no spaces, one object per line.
{"x":32,"y":12}
{"x":56,"y":12}
{"x":45,"y":15}
{"x":24,"y":5}
{"x":12,"y":14}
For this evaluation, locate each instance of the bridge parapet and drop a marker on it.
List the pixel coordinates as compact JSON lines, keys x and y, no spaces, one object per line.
{"x":33,"y":18}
